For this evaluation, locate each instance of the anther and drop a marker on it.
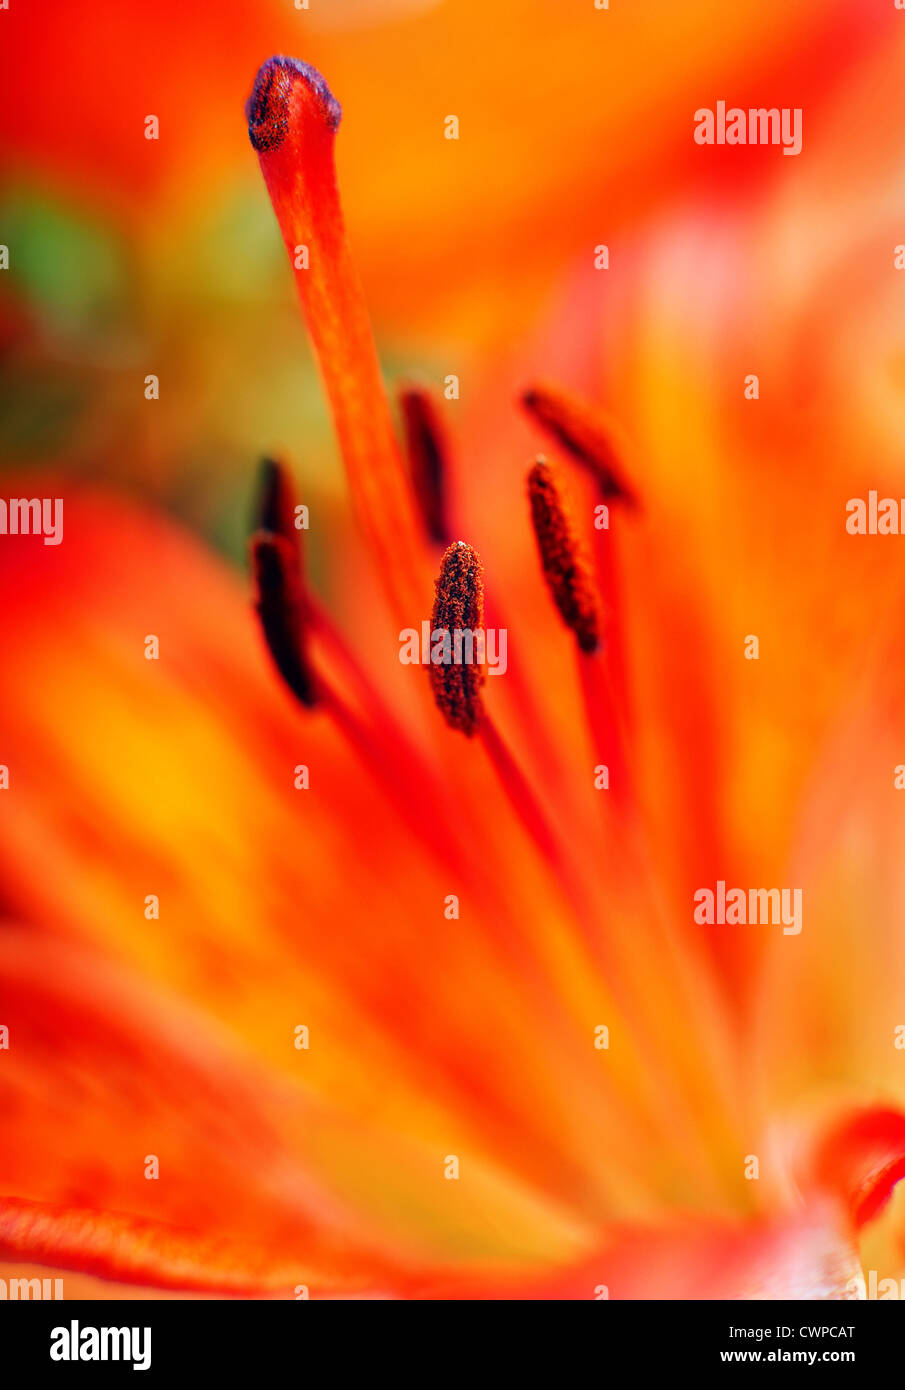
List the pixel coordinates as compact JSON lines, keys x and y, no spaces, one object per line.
{"x":458,"y":609}
{"x":584,"y":432}
{"x":565,"y":568}
{"x":425,"y":443}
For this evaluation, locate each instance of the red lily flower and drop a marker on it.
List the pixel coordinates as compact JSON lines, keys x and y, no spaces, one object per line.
{"x":455,"y":1125}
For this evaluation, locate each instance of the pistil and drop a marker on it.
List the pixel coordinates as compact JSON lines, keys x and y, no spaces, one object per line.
{"x":292,"y":122}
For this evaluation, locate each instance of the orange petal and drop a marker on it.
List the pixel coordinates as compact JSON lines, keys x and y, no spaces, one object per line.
{"x":104,"y":1073}
{"x":802,"y":1257}
{"x":133,"y":1250}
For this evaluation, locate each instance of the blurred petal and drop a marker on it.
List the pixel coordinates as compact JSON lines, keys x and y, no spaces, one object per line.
{"x":861,"y":1160}
{"x":124,"y":1248}
{"x":804,"y":1257}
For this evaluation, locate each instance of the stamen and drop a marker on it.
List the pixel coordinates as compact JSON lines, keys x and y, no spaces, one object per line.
{"x":292,"y":120}
{"x":276,"y":504}
{"x":459,"y":606}
{"x":566,"y":570}
{"x":281,"y":608}
{"x":585,"y":433}
{"x":427,"y":452}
